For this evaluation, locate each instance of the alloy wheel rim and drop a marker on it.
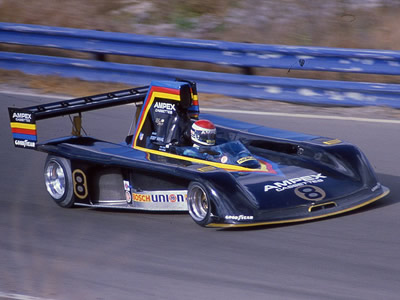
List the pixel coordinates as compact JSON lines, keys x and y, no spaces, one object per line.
{"x":198,"y":203}
{"x":55,"y":180}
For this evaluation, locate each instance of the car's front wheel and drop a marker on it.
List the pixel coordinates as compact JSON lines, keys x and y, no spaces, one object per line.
{"x":58,"y":180}
{"x":199,"y":203}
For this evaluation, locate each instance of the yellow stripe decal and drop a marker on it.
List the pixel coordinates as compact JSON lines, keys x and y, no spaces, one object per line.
{"x":165,"y":96}
{"x":23,"y":125}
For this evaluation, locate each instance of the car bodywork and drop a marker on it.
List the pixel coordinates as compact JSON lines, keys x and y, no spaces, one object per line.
{"x":263,"y":176}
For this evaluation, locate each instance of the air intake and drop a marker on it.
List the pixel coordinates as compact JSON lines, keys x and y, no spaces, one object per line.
{"x":321,"y":206}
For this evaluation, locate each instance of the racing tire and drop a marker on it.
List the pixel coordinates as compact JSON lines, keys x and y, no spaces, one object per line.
{"x":199,"y":203}
{"x":58,"y":180}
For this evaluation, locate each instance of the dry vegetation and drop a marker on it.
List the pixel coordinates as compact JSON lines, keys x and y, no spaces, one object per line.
{"x":293,"y":22}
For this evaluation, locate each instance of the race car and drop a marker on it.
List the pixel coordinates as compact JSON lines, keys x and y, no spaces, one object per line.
{"x":239,"y":175}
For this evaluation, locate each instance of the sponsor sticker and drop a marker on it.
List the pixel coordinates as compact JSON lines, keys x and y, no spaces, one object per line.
{"x":165,"y":108}
{"x":172,"y":198}
{"x":22,"y":117}
{"x":127,"y":185}
{"x":24,"y":143}
{"x":160,"y":196}
{"x":160,"y":122}
{"x":141,"y":197}
{"x":127,"y":188}
{"x":128,"y":197}
{"x":245,"y":159}
{"x":295,"y":182}
{"x":153,"y":138}
{"x":239,"y":218}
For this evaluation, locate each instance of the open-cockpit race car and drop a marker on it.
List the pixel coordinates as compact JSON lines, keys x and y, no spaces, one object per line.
{"x":250,"y":175}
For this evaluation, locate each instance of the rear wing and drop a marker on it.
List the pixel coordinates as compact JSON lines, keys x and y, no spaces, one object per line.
{"x":23,"y":120}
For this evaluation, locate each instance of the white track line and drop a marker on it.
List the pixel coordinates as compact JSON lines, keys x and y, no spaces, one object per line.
{"x":20,"y":297}
{"x":246,"y":112}
{"x":35,"y":95}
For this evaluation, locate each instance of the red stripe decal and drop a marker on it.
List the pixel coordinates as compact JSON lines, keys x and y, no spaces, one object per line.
{"x":23,"y":131}
{"x":165,"y":90}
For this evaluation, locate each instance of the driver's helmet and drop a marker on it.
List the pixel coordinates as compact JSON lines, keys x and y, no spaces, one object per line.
{"x":203,"y":133}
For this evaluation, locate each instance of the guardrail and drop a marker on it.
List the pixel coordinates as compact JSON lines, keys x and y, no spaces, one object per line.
{"x":241,"y":55}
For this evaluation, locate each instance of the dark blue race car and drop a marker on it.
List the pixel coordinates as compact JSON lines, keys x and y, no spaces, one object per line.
{"x":250,"y":175}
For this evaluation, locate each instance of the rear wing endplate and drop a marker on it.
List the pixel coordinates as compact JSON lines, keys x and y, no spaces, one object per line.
{"x":23,"y":120}
{"x":23,"y":128}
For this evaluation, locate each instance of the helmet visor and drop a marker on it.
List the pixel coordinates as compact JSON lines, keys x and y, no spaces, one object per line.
{"x":204,"y":137}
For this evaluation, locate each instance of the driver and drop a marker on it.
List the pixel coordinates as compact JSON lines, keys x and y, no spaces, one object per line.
{"x":202,"y":134}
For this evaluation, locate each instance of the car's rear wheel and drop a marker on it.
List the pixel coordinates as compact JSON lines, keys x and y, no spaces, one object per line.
{"x":199,"y":204}
{"x":58,"y":180}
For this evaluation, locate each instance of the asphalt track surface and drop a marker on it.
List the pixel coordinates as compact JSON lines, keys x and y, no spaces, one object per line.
{"x":48,"y":252}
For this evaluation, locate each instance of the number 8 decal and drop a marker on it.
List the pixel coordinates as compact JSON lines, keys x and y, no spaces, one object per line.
{"x":310,"y":193}
{"x":80,"y":184}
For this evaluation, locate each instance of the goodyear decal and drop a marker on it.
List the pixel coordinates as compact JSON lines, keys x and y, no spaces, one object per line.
{"x":239,"y":218}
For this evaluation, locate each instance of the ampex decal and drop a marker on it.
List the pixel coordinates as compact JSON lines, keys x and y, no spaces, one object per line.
{"x":22,"y":117}
{"x":165,"y":108}
{"x":294,"y":182}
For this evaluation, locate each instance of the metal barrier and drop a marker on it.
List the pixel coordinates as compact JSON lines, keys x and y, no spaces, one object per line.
{"x":217,"y":52}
